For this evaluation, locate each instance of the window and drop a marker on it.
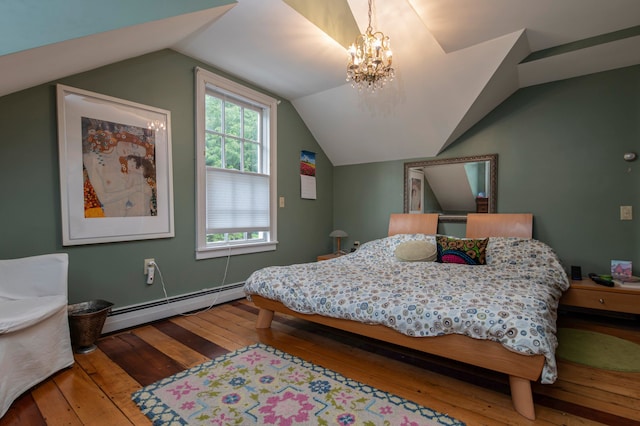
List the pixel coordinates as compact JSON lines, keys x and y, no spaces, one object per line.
{"x":236,"y":168}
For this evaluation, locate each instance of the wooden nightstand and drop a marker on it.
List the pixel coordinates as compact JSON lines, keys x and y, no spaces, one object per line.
{"x":328,"y":256}
{"x":587,"y":294}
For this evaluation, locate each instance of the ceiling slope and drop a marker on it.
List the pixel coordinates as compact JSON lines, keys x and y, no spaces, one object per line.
{"x":612,"y":55}
{"x":457,"y":24}
{"x":502,"y":84}
{"x":268,"y":43}
{"x":39,"y":65}
{"x":27,"y":24}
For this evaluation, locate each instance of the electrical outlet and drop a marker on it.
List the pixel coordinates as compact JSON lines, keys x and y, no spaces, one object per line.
{"x":626,"y":213}
{"x":281,"y":202}
{"x":147,"y":263}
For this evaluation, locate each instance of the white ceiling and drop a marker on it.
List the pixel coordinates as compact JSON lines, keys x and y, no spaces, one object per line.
{"x":455,"y":61}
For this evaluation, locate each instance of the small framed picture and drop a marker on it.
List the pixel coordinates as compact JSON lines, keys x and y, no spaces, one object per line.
{"x":621,"y":269}
{"x":116,"y":179}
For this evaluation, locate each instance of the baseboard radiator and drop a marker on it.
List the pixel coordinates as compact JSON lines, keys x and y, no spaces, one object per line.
{"x":134,"y":315}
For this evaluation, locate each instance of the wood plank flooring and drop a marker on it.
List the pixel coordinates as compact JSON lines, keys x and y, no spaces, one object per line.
{"x":97,"y":389}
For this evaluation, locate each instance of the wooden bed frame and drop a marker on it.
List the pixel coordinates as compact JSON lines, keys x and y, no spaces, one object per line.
{"x":481,"y":225}
{"x":407,"y":223}
{"x":521,"y":369}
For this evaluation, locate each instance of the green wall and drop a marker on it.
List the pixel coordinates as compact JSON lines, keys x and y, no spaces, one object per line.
{"x":560,"y":148}
{"x":30,"y":219}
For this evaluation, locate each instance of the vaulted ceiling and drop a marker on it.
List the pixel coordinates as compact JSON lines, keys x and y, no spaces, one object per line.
{"x":455,"y":60}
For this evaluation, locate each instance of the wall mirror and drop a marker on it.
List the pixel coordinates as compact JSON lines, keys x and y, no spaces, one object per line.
{"x":452,"y":187}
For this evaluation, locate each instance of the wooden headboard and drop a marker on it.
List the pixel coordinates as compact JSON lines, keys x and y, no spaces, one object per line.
{"x":482,"y":225}
{"x":413,"y":223}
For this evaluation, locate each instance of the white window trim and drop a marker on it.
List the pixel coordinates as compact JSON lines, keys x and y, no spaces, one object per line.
{"x":204,"y":78}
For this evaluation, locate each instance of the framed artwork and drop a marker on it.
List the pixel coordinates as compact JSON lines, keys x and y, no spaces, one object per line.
{"x":116,"y":179}
{"x":415,"y":187}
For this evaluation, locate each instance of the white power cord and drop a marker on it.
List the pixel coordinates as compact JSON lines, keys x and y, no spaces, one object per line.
{"x":154,"y":265}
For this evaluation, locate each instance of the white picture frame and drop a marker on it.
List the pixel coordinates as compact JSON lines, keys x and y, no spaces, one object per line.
{"x":116,"y":181}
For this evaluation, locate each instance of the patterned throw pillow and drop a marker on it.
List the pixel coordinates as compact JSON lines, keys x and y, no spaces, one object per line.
{"x":461,"y":250}
{"x":416,"y":251}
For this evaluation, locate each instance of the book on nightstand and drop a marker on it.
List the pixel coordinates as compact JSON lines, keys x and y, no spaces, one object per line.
{"x":629,"y":282}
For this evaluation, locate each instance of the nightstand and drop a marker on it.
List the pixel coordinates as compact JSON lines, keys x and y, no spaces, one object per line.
{"x":328,"y":256}
{"x":587,"y":294}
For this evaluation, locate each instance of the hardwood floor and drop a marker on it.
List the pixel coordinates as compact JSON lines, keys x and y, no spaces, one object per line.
{"x":97,"y":389}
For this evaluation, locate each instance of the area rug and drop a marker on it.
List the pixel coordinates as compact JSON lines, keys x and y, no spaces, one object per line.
{"x":598,"y":350}
{"x":262,"y":385}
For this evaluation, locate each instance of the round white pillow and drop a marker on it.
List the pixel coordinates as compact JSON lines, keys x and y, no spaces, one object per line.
{"x":416,"y":251}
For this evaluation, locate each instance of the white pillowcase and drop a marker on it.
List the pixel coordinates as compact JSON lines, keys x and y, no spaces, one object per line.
{"x":416,"y":251}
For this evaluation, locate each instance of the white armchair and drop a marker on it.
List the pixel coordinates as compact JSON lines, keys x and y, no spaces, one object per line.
{"x":34,"y":328}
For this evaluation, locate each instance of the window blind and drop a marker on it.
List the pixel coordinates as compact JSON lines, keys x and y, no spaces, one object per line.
{"x":236,"y":201}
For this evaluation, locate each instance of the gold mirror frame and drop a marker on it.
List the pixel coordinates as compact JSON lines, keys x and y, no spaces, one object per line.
{"x":493,"y":181}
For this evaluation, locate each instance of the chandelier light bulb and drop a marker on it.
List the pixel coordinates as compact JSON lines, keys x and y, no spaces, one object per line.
{"x":156,"y":125}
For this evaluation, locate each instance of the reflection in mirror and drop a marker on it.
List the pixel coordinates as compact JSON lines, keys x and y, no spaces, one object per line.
{"x":452,"y":187}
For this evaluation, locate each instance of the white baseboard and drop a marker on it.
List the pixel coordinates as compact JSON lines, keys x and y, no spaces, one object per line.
{"x":134,"y":315}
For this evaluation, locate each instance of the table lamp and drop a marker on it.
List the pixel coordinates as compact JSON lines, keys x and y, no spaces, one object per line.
{"x":337,"y":234}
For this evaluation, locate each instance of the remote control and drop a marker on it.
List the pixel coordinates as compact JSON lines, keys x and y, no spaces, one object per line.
{"x":596,"y":279}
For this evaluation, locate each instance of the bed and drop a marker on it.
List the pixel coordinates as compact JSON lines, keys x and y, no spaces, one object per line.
{"x":443,"y":309}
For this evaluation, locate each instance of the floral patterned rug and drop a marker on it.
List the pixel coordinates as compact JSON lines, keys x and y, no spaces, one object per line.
{"x":262,"y":385}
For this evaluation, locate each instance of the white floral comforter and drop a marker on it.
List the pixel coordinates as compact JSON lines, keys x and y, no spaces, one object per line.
{"x":512,"y":300}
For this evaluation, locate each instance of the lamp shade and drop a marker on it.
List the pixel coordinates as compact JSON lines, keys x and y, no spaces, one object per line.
{"x":338,"y":233}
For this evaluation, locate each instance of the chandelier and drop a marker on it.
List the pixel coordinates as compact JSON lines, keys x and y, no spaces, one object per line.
{"x":370,"y":57}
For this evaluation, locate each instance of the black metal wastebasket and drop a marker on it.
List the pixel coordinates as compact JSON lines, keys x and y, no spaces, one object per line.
{"x":86,"y":320}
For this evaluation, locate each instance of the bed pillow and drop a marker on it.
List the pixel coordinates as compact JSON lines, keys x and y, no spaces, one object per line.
{"x":462,"y":250}
{"x":416,"y":251}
